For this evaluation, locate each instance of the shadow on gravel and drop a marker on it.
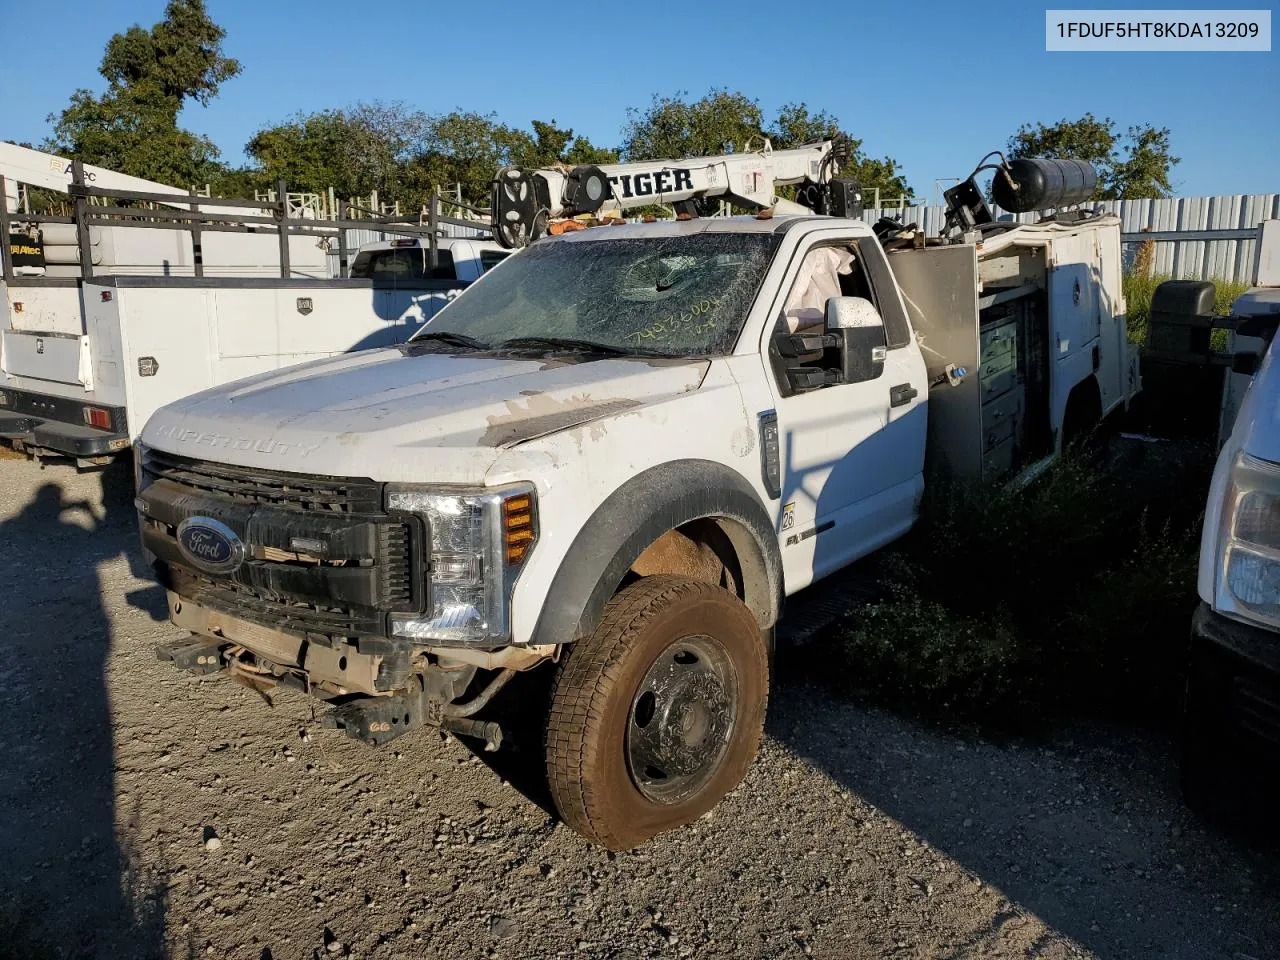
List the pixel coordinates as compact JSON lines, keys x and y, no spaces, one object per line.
{"x":521,"y":762}
{"x":1089,"y":832}
{"x":70,"y":884}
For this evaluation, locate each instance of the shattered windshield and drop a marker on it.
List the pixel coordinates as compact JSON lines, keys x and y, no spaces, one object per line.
{"x":672,"y":296}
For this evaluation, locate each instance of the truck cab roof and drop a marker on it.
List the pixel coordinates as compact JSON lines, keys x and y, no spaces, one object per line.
{"x":407,"y":260}
{"x":443,"y":243}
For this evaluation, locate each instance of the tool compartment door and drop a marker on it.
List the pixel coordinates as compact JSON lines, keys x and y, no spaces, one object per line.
{"x":1113,"y":352}
{"x":940,"y":285}
{"x":56,"y":358}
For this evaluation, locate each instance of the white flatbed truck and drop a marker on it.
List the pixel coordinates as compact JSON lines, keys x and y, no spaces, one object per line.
{"x":617,"y":454}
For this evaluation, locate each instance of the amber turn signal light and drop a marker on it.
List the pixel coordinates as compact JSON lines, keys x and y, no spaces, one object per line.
{"x":519,"y":526}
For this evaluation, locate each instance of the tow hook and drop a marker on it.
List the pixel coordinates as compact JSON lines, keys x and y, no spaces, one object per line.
{"x":378,"y":720}
{"x":198,"y":655}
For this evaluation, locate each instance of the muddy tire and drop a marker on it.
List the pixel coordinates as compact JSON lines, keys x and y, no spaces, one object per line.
{"x":658,"y":714}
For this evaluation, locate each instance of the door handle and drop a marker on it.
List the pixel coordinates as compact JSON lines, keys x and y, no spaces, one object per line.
{"x":902,"y":393}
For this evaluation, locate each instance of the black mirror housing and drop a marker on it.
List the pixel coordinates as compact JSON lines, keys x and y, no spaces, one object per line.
{"x":863,"y":354}
{"x":1181,"y":319}
{"x":860,"y":329}
{"x":1246,"y":363}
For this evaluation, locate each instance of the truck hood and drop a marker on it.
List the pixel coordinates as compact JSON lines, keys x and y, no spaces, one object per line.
{"x":396,"y":416}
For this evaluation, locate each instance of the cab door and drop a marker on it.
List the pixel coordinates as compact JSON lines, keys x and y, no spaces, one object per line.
{"x":851,"y":454}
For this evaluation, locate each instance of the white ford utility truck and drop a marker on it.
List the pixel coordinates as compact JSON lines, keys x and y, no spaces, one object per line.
{"x":113,"y":312}
{"x":1231,"y":758}
{"x":615,"y":455}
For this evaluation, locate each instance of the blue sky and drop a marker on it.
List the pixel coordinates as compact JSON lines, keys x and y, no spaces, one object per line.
{"x":935,"y":85}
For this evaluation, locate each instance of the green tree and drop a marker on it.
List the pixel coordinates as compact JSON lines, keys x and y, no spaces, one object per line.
{"x":468,"y":149}
{"x":1144,"y":168}
{"x":582,"y":150}
{"x":550,"y":145}
{"x":726,"y":121}
{"x":723,"y":121}
{"x":356,"y":150}
{"x":308,"y":152}
{"x":1133,"y":165}
{"x":465,"y":148}
{"x":796,"y":126}
{"x":151,"y":74}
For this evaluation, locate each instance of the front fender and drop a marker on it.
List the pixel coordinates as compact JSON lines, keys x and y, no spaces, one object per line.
{"x":641,"y":510}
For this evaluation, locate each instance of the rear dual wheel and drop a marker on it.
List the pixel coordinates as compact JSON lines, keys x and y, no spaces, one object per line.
{"x":658,"y":713}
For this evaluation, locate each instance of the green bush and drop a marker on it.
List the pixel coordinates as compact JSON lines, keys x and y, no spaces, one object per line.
{"x":909,"y":649}
{"x":1139,"y":286}
{"x":1007,"y":605}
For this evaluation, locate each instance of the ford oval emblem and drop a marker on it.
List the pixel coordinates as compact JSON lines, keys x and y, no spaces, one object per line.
{"x":210,"y":545}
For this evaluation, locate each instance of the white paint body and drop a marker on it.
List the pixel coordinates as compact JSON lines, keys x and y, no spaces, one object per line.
{"x":1086,"y":309}
{"x":850,"y":461}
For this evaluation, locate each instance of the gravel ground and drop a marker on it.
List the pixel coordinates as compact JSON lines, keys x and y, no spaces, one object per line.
{"x":150,"y":813}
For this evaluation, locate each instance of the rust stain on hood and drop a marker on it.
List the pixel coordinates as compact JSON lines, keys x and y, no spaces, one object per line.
{"x":543,"y":414}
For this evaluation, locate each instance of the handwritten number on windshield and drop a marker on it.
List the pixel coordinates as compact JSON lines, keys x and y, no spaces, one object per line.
{"x":680,"y":321}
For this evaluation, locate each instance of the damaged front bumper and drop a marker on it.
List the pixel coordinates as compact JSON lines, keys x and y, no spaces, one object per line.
{"x":444,"y":687}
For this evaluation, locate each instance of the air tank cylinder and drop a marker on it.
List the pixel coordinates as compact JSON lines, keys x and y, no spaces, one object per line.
{"x":1039,"y":183}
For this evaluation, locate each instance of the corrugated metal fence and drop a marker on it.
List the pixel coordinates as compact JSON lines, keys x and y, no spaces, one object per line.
{"x":1203,"y":238}
{"x":1200,"y":238}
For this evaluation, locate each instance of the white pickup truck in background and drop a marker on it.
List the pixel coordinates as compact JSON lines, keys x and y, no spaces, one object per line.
{"x":617,"y":454}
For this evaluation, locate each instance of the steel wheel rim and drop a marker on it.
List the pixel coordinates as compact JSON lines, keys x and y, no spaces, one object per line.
{"x":681,"y":720}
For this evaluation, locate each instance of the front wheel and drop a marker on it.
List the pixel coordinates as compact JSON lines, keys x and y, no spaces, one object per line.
{"x":659,"y":713}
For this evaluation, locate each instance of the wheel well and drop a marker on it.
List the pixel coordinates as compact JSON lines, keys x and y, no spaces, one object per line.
{"x":676,"y":495}
{"x":1083,"y":410}
{"x":714,"y":550}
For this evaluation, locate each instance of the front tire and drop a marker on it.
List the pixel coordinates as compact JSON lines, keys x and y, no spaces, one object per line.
{"x":658,"y":713}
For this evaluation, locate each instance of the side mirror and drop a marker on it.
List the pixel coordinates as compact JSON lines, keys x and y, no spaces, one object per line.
{"x":1180,"y":322}
{"x":857,"y":324}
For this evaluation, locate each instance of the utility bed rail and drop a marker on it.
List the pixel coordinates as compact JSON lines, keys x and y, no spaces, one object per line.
{"x":269,"y":216}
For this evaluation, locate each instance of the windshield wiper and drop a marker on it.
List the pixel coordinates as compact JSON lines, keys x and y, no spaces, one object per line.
{"x":452,"y":339}
{"x":573,"y":345}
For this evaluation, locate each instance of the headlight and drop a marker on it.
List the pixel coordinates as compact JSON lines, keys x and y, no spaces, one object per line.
{"x":479,"y":540}
{"x":1249,"y":575}
{"x":140,"y":478}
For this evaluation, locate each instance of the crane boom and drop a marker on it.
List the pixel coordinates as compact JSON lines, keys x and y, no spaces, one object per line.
{"x":525,"y":201}
{"x":51,"y":172}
